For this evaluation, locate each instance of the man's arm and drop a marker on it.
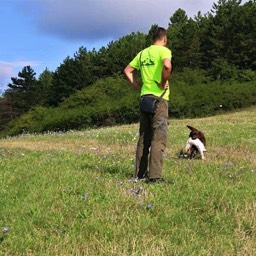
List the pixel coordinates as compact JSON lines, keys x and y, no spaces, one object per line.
{"x":129,"y":72}
{"x":167,"y":69}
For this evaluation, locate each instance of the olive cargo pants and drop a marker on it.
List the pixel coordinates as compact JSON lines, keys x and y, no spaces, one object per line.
{"x":152,"y":142}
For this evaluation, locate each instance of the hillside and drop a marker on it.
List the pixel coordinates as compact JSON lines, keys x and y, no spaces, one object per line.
{"x":124,"y":137}
{"x":73,"y":193}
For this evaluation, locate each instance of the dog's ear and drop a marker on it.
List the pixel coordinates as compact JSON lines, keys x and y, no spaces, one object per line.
{"x":191,"y":128}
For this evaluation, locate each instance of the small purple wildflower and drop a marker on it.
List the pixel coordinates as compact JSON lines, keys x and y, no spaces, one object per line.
{"x":5,"y":229}
{"x":133,"y":191}
{"x":149,"y":206}
{"x":85,"y":196}
{"x":136,"y":192}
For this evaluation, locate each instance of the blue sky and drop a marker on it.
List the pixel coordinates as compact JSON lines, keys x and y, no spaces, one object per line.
{"x":42,"y":33}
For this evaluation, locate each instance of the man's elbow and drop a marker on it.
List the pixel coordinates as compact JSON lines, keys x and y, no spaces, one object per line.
{"x":126,"y":70}
{"x":167,"y":66}
{"x":168,"y":69}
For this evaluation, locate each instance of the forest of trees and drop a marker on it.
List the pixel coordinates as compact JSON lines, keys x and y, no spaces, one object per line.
{"x":215,"y":52}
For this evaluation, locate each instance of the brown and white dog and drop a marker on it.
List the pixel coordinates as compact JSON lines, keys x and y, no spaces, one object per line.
{"x":196,"y":143}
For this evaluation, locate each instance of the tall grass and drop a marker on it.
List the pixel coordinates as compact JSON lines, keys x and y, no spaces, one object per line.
{"x":73,"y":193}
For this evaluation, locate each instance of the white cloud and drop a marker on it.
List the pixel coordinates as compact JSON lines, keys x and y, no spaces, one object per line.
{"x":92,"y":20}
{"x":6,"y":71}
{"x":11,"y":69}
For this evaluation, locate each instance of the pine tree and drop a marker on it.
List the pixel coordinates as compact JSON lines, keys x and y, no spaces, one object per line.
{"x":22,"y":90}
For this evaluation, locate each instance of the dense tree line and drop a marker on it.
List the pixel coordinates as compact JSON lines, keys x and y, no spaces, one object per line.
{"x":217,"y":46}
{"x":112,"y":101}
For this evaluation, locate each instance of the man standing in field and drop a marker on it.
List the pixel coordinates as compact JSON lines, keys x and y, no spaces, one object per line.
{"x":155,"y":67}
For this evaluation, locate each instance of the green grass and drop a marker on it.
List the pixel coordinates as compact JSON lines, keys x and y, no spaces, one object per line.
{"x":73,"y":193}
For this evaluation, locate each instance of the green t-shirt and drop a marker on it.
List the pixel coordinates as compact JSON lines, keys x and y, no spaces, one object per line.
{"x":150,"y":63}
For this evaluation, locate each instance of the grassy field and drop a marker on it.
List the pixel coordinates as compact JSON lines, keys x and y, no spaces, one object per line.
{"x":73,"y":193}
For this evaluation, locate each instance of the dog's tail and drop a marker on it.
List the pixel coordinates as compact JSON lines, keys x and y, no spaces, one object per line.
{"x":191,"y":128}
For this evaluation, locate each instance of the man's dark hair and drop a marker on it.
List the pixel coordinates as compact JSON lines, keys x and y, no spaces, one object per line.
{"x":159,"y":34}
